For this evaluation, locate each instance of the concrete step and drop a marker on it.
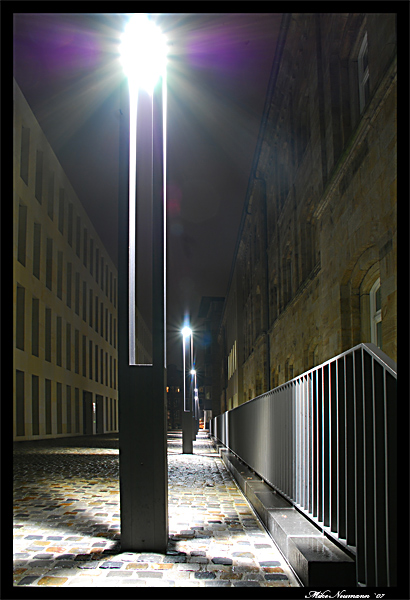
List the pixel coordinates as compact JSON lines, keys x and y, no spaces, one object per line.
{"x":316,"y":560}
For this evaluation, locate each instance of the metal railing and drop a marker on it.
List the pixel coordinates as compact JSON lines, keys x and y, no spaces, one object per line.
{"x":327,"y":441}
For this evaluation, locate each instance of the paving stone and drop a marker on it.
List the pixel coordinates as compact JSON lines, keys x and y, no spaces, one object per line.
{"x":71,"y":520}
{"x":111,"y":565}
{"x":218,"y":560}
{"x":54,"y":581}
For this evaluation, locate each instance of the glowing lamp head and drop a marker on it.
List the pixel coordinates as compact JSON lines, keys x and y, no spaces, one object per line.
{"x":186,"y":332}
{"x":143,"y":52}
{"x":193,"y":372}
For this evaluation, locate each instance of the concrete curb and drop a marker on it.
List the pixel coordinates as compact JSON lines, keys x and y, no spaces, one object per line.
{"x":316,"y":560}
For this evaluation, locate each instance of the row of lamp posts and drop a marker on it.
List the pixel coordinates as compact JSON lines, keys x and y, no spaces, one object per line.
{"x":190,"y":413}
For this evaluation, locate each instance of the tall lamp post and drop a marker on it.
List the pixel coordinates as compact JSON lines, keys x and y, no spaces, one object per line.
{"x":142,"y":396}
{"x":195,"y":403}
{"x":187,"y":349}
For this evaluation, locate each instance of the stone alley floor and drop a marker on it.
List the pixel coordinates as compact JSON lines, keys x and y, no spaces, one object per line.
{"x":67,"y":521}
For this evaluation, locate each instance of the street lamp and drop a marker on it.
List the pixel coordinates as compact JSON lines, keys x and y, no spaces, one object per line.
{"x":142,"y":403}
{"x":186,"y":333}
{"x":187,"y":422}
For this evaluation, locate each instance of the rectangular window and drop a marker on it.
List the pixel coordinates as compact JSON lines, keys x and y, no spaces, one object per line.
{"x":363,"y":74}
{"x":111,"y":328}
{"x":101,"y":365}
{"x":22,"y":235}
{"x":84,"y":301}
{"x":90,"y":359}
{"x":115,"y":292}
{"x":101,"y":320}
{"x":106,"y":280}
{"x":78,"y":237}
{"x":60,"y":274}
{"x":77,"y":410}
{"x":115,"y":333}
{"x":20,"y":312}
{"x":47,"y":355}
{"x":20,"y":427}
{"x":69,"y":279}
{"x":106,"y":324}
{"x":36,"y":249}
{"x":91,"y":256}
{"x":48,"y":406}
{"x":61,"y":211}
{"x":77,"y":351}
{"x":110,"y":286}
{"x":96,"y":314}
{"x":68,"y":347}
{"x":68,"y":407}
{"x":111,"y":415}
{"x":39,"y":176}
{"x":50,"y":198}
{"x":24,"y":153}
{"x":110,"y":371}
{"x":49,"y":263}
{"x":106,"y":414}
{"x":97,"y":262}
{"x":106,"y":369}
{"x":85,"y":247}
{"x":102,"y":274}
{"x":35,"y":405}
{"x":35,"y":316}
{"x":115,"y":414}
{"x":90,"y":308}
{"x":96,"y":362}
{"x":77,"y":294}
{"x":84,"y":356}
{"x":59,"y":408}
{"x":59,"y":342}
{"x":70,"y":225}
{"x":115,"y":373}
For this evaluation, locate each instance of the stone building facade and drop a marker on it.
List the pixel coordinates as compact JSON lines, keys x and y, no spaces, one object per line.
{"x":315,"y":267}
{"x":64,"y":299}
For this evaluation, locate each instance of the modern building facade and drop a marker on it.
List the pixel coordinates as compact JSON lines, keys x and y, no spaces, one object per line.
{"x":64,"y":299}
{"x":210,"y":311}
{"x":315,"y":270}
{"x":175,"y":397}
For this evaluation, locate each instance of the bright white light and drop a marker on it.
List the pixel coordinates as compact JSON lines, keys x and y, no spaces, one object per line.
{"x":143,"y":52}
{"x":193,"y":372}
{"x":186,"y":332}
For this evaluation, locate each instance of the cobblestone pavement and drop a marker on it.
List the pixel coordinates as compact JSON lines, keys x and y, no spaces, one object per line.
{"x":67,"y":521}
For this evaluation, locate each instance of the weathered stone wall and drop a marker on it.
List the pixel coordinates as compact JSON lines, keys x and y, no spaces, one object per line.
{"x":321,"y":223}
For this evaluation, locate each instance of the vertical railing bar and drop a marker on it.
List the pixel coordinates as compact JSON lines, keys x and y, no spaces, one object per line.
{"x":295,"y":444}
{"x":311,"y":448}
{"x":373,"y":466}
{"x":386,"y":476}
{"x":317,"y":458}
{"x":300,"y":458}
{"x":302,"y":438}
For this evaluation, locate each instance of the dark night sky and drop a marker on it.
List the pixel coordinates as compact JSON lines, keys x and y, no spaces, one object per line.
{"x":218,"y":70}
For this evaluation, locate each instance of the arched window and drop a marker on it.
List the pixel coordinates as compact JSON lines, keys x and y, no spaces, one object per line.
{"x":376,"y":314}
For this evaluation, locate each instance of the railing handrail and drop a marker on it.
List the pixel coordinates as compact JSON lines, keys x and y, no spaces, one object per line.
{"x":386,"y":362}
{"x":326,"y":440}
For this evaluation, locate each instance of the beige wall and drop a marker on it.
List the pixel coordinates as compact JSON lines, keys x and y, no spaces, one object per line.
{"x":106,"y":339}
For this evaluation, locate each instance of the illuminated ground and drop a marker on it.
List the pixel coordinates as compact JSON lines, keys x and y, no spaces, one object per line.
{"x":67,"y":521}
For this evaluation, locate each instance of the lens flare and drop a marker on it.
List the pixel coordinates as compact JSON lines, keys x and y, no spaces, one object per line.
{"x":143,"y":52}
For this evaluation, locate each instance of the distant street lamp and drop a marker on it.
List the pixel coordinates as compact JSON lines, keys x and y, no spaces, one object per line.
{"x":142,"y":402}
{"x":187,"y":423}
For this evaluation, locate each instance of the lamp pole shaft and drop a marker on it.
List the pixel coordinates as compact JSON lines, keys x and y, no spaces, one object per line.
{"x":142,"y":396}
